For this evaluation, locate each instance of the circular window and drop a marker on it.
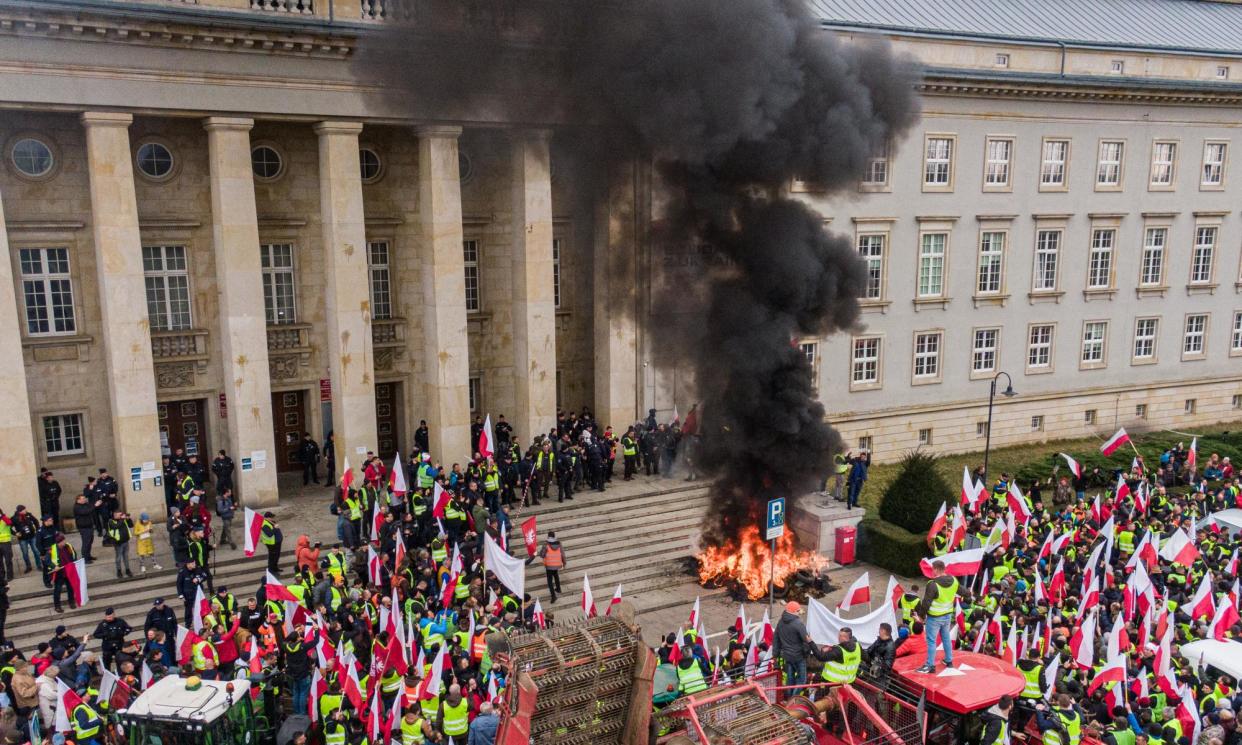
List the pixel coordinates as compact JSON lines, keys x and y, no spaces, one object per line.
{"x":155,"y":161}
{"x":465,"y":166}
{"x":372,"y":167}
{"x":266,"y":162}
{"x":32,"y":157}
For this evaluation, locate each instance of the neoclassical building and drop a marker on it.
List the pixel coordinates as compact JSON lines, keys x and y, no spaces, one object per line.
{"x":223,"y":232}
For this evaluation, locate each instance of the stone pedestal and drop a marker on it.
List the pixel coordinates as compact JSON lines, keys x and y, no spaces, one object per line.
{"x":123,"y":305}
{"x":17,"y":455}
{"x":616,"y":302}
{"x":243,"y":327}
{"x":815,"y":519}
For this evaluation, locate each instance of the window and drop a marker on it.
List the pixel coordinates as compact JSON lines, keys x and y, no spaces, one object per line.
{"x":370,"y":166}
{"x":983,"y":358}
{"x":1093,"y":335}
{"x":381,"y":279}
{"x":1235,"y":339}
{"x":877,"y":168}
{"x":1052,"y":168}
{"x":474,"y":391}
{"x":1201,"y":258}
{"x":47,"y":291}
{"x":168,"y":287}
{"x":1163,"y":162}
{"x":981,"y":429}
{"x":1192,"y":340}
{"x":811,"y":351}
{"x":1002,"y":60}
{"x":278,"y":296}
{"x":556,"y":272}
{"x":1145,"y":338}
{"x":1222,"y":72}
{"x":1152,"y":273}
{"x":1213,"y":164}
{"x":1037,"y":423}
{"x":938,"y":164}
{"x":1140,"y":411}
{"x":1117,"y":67}
{"x":1190,"y":406}
{"x":927,"y":355}
{"x":154,"y":160}
{"x":266,"y":163}
{"x":62,"y":434}
{"x":1237,"y":401}
{"x":931,"y":264}
{"x":1039,"y":347}
{"x":1108,"y":165}
{"x":470,"y":256}
{"x":991,"y":262}
{"x":1088,"y":417}
{"x":925,"y":436}
{"x":996,"y":167}
{"x":1100,"y":264}
{"x":871,"y":249}
{"x":866,"y":363}
{"x":864,"y":443}
{"x":1047,"y":244}
{"x":32,"y":157}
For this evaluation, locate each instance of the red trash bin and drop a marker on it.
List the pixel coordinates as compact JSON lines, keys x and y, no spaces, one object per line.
{"x":846,"y":538}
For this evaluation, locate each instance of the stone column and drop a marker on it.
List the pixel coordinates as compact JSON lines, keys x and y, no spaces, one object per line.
{"x":243,"y":327}
{"x":446,"y":361}
{"x":17,"y":454}
{"x":123,"y":305}
{"x":616,"y":293}
{"x":534,"y":302}
{"x":348,"y":296}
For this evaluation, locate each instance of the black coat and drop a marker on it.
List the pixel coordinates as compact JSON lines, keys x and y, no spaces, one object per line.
{"x":112,"y":633}
{"x":164,"y":619}
{"x":83,"y":515}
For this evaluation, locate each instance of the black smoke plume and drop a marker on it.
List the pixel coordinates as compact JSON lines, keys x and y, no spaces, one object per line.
{"x":731,"y":100}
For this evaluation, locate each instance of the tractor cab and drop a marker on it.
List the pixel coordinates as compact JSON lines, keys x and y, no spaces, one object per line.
{"x":189,"y":711}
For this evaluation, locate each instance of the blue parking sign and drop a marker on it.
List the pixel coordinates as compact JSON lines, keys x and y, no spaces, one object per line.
{"x":776,"y":519}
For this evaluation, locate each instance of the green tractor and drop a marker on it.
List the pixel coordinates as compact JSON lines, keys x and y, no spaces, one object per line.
{"x":189,"y":711}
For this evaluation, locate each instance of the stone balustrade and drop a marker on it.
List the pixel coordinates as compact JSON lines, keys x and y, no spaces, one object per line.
{"x":178,"y":345}
{"x":288,"y":337}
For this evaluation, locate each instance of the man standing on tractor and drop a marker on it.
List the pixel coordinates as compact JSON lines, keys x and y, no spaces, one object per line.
{"x":937,"y":613}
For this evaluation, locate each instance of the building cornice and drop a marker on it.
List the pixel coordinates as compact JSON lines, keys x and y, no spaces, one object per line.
{"x":971,"y":83}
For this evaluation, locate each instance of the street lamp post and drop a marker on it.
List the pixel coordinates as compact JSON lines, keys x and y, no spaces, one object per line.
{"x":1009,"y":392}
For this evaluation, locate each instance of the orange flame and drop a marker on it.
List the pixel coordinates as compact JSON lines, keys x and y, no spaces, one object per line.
{"x":749,"y":561}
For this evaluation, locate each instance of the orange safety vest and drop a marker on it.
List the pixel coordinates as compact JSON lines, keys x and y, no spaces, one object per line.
{"x":268,"y":636}
{"x":478,"y":647}
{"x":552,"y":559}
{"x":411,"y":696}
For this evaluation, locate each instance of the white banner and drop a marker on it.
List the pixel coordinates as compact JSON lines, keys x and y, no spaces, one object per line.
{"x":510,"y":570}
{"x":824,"y":625}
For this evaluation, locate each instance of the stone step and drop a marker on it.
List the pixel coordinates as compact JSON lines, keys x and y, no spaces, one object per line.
{"x":620,"y":554}
{"x":595,"y":503}
{"x":622,"y":519}
{"x":620,"y":541}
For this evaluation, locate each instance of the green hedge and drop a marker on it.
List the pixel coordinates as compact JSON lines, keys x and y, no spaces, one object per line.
{"x":912,"y":500}
{"x":891,"y":547}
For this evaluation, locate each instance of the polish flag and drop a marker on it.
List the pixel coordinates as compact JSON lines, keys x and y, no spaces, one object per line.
{"x":398,"y":551}
{"x":1203,"y":601}
{"x":1010,"y":651}
{"x":674,"y":654}
{"x":694,"y":613}
{"x":435,"y":679}
{"x":1140,"y":498}
{"x":1192,"y":456}
{"x":450,"y":590}
{"x":959,"y":617}
{"x":1050,"y":676}
{"x":487,"y":440}
{"x":894,"y":591}
{"x":441,"y":502}
{"x":274,"y":589}
{"x":377,"y":522}
{"x":530,"y":535}
{"x":1117,"y":440}
{"x":1188,"y":713}
{"x":956,"y":563}
{"x":752,"y":659}
{"x":1045,"y":550}
{"x":1059,"y":544}
{"x":492,"y":693}
{"x":396,"y":478}
{"x":373,"y":566}
{"x":255,"y":664}
{"x":114,"y":691}
{"x":202,"y":609}
{"x":186,"y":639}
{"x":1056,"y":585}
{"x":1082,"y":643}
{"x":1097,"y":510}
{"x":958,"y":533}
{"x":347,"y":477}
{"x":1225,"y":617}
{"x":1145,"y":551}
{"x":252,"y":529}
{"x":970,"y":493}
{"x":938,"y":523}
{"x":739,"y":624}
{"x":1040,"y":592}
{"x":1017,"y":503}
{"x":146,"y":676}
{"x":75,"y":575}
{"x":1122,"y":490}
{"x":1166,"y":680}
{"x":859,"y":593}
{"x":1074,"y":466}
{"x":588,"y":599}
{"x":538,"y":616}
{"x":616,"y":598}
{"x":67,"y":700}
{"x":350,"y":685}
{"x":1179,"y":549}
{"x":768,"y":631}
{"x":373,"y":718}
{"x":1232,"y":566}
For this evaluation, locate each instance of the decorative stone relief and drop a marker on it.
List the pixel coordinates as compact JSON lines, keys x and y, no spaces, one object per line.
{"x":174,"y":375}
{"x":283,"y":367}
{"x":384,"y":359}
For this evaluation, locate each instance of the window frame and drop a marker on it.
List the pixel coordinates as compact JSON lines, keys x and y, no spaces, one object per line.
{"x":269,"y":275}
{"x":1100,"y":164}
{"x":942,"y":293}
{"x":1218,"y":185}
{"x":472,"y":269}
{"x":379,"y":164}
{"x":1235,"y":336}
{"x":61,"y":417}
{"x":386,"y":269}
{"x":949,"y":161}
{"x":876,"y":360}
{"x":999,"y":186}
{"x":558,"y":243}
{"x":1154,"y":338}
{"x":1152,"y":184}
{"x":1201,"y":334}
{"x":474,"y":392}
{"x":1063,"y":183}
{"x":1149,"y":248}
{"x":47,"y":142}
{"x":936,"y":358}
{"x":1101,"y":344}
{"x":280,"y":155}
{"x":1055,"y":253}
{"x":977,"y":372}
{"x":1109,"y":252}
{"x":884,"y":160}
{"x":46,"y":279}
{"x":1047,"y":346}
{"x":174,"y":163}
{"x":1211,"y":250}
{"x":996,"y":267}
{"x":810,"y":349}
{"x":163,"y":277}
{"x":884,"y":236}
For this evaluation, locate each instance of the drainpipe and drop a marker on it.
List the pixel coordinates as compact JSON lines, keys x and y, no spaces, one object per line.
{"x":1062,"y":45}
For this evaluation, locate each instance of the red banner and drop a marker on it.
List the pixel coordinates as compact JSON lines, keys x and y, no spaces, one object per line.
{"x":530,"y":535}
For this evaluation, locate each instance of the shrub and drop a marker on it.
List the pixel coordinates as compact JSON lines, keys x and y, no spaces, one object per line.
{"x":914,"y":497}
{"x":891,"y":547}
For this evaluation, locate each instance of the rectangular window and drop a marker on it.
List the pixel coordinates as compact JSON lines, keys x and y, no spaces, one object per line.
{"x":1153,"y":257}
{"x":981,"y":429}
{"x":811,"y":351}
{"x":560,"y":389}
{"x":1163,"y":163}
{"x":1140,"y":411}
{"x":1047,"y":245}
{"x":864,"y":443}
{"x":1222,"y":72}
{"x":1117,"y":67}
{"x":1213,"y":164}
{"x":866,"y":363}
{"x":1237,"y":401}
{"x":1100,"y":263}
{"x":877,"y":168}
{"x":1203,"y":254}
{"x":1192,"y":339}
{"x":1037,"y":423}
{"x":168,"y":287}
{"x":381,"y":279}
{"x":1039,"y":347}
{"x":1052,"y":166}
{"x":62,"y":434}
{"x":556,"y":272}
{"x":1088,"y":417}
{"x":991,"y":262}
{"x":938,"y":163}
{"x":1145,"y":338}
{"x":474,"y":391}
{"x":1093,"y":335}
{"x":1002,"y":60}
{"x":983,"y":357}
{"x":1235,"y":339}
{"x":470,"y":257}
{"x":47,"y":291}
{"x":1190,"y":406}
{"x":871,"y":249}
{"x":927,"y":355}
{"x":1108,"y":165}
{"x":931,"y":264}
{"x":996,"y":169}
{"x":925,"y":436}
{"x":279,"y":302}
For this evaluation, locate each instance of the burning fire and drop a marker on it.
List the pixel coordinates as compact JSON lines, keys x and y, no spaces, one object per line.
{"x":748,"y":561}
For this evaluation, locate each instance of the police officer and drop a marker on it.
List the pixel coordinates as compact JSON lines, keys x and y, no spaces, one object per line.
{"x":111,"y":633}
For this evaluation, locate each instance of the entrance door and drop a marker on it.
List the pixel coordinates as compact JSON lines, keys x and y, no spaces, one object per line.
{"x":183,"y":424}
{"x":289,"y":422}
{"x":387,"y":407}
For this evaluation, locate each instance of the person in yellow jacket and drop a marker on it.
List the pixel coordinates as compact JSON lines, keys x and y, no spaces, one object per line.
{"x":145,"y":539}
{"x":414,"y":729}
{"x":454,"y":716}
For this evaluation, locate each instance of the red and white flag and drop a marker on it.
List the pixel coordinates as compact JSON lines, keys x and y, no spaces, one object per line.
{"x":449,"y":592}
{"x":970,"y":491}
{"x":435,"y":679}
{"x":75,"y":575}
{"x":252,"y":530}
{"x":1179,"y":549}
{"x":858,"y":594}
{"x":739,"y":624}
{"x":1225,"y":617}
{"x":616,"y":598}
{"x":114,"y":691}
{"x":1082,"y":643}
{"x":1074,"y":466}
{"x":1203,"y":602}
{"x":1056,"y":584}
{"x":373,"y":567}
{"x":588,"y":599}
{"x":347,"y":477}
{"x":539,"y":618}
{"x":530,"y":535}
{"x":1192,"y":455}
{"x":957,"y":534}
{"x":956,"y":563}
{"x":938,"y":524}
{"x":1114,"y":671}
{"x":768,"y":632}
{"x":396,"y":478}
{"x":487,"y":440}
{"x":1017,"y":503}
{"x":1231,"y":567}
{"x":202,"y":609}
{"x":1188,"y":713}
{"x":146,"y":676}
{"x":1117,"y":440}
{"x":693,"y":623}
{"x":674,"y":654}
{"x":377,"y":522}
{"x":398,"y":552}
{"x":67,"y":700}
{"x":440,"y":503}
{"x":1121,"y":491}
{"x":274,"y":589}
